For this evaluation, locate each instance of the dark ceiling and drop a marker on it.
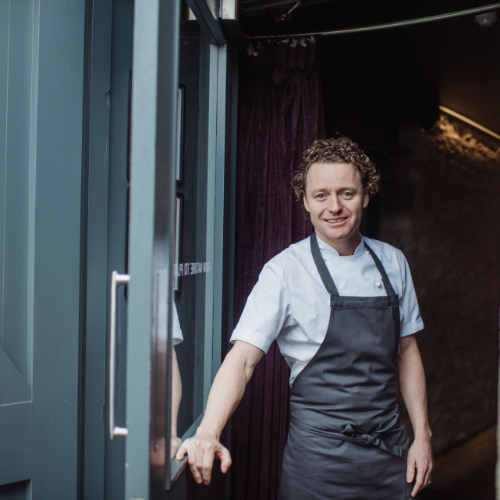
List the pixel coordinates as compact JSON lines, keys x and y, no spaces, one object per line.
{"x":258,"y":16}
{"x":402,"y":72}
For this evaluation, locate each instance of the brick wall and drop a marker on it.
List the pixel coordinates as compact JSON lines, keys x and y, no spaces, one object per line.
{"x":441,"y":207}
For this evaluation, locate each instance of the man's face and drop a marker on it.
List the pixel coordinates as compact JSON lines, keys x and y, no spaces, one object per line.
{"x":335,"y":200}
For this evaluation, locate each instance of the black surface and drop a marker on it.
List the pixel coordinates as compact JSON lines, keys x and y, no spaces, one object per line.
{"x":400,"y":74}
{"x":428,"y":494}
{"x":339,"y":14}
{"x":404,"y":73}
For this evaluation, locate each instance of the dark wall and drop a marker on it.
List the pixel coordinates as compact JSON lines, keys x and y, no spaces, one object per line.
{"x":439,"y":201}
{"x":446,"y":223}
{"x":440,"y":204}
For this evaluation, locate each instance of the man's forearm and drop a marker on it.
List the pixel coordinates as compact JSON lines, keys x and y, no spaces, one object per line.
{"x":176,"y":391}
{"x":412,"y":385}
{"x":227,"y":391}
{"x":228,"y":387}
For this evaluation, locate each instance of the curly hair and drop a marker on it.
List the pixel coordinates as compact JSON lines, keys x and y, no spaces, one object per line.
{"x":337,"y":150}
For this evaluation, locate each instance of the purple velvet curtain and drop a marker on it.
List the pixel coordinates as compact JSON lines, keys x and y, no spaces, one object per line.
{"x":281,"y":114}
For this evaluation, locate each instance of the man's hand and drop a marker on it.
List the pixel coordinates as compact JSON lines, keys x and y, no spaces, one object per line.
{"x":202,"y":450}
{"x":420,"y":458}
{"x":226,"y":392}
{"x":175,"y":443}
{"x":412,"y":385}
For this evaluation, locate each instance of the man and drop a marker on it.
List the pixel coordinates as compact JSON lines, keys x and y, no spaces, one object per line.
{"x":344,"y":312}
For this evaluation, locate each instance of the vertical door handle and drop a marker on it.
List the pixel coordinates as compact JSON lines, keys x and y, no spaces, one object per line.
{"x":116,"y":280}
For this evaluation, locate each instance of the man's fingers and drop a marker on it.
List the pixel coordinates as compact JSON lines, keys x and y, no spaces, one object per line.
{"x":410,"y":471}
{"x":427,"y":480}
{"x":208,"y":462}
{"x":181,"y":451}
{"x":201,"y":455}
{"x":420,"y":458}
{"x":419,"y":482}
{"x":193,"y":462}
{"x":225,"y":459}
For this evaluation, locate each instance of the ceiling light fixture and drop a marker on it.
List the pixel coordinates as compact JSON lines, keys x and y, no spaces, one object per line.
{"x":487,"y":19}
{"x":468,"y":121}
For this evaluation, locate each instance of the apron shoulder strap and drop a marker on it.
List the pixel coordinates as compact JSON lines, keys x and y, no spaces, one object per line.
{"x":381,"y":269}
{"x":326,"y":277}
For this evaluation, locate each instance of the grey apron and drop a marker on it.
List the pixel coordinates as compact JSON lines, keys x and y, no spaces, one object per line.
{"x":346,"y":440}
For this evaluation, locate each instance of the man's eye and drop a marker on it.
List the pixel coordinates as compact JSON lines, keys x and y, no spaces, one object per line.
{"x":347,"y":194}
{"x":320,"y":196}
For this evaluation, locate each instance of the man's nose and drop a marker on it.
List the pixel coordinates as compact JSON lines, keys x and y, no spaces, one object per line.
{"x":335,"y":206}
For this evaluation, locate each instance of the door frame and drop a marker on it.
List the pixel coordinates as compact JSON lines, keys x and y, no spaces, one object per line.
{"x":218,"y":138}
{"x":221,"y":157}
{"x":94,"y":249}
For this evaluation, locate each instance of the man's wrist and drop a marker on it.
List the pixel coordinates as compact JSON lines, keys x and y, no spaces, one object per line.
{"x":424,"y":434}
{"x":203,"y":430}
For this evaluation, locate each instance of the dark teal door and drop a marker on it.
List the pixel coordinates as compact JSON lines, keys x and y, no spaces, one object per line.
{"x":151,"y":216}
{"x":176,"y":186}
{"x":144,"y":188}
{"x":41,"y":125}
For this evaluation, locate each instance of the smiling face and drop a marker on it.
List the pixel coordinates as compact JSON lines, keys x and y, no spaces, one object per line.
{"x":335,"y":200}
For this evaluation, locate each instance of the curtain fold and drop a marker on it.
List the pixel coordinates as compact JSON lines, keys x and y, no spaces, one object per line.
{"x":280,"y":115}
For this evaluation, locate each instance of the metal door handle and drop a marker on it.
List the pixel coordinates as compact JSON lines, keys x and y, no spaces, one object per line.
{"x":116,"y":280}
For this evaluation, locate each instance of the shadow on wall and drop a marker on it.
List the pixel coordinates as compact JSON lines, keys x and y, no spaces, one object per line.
{"x":441,"y":207}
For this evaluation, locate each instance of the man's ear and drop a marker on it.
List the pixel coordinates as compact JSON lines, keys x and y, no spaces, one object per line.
{"x":366,"y":200}
{"x":304,"y":201}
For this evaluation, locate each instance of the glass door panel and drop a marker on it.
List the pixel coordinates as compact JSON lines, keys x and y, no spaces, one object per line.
{"x":152,"y":202}
{"x":192,"y":264}
{"x":198,"y":228}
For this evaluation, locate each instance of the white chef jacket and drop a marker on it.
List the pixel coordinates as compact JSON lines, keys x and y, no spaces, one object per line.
{"x":290,"y":303}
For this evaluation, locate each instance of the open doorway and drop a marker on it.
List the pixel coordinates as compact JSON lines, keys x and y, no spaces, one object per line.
{"x":418,"y":100}
{"x":439,"y":204}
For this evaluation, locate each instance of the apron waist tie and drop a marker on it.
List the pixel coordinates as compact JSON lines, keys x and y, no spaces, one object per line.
{"x":350,"y":434}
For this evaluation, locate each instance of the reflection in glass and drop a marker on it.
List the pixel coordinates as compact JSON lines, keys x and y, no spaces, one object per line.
{"x":192,"y":262}
{"x":175,"y":440}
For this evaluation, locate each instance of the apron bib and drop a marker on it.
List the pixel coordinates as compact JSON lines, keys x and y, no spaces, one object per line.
{"x":346,"y":441}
